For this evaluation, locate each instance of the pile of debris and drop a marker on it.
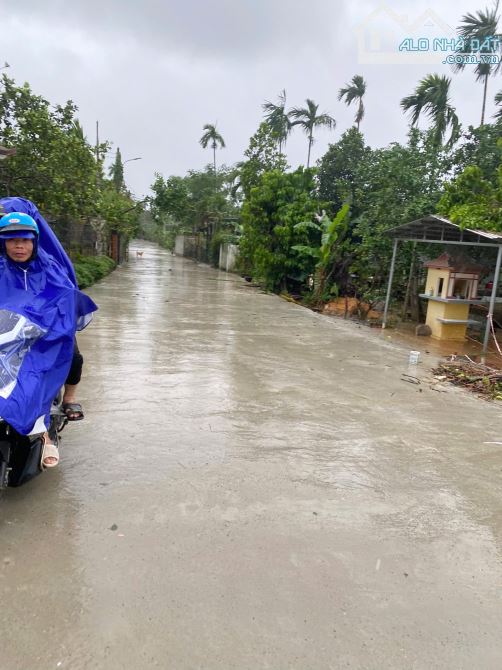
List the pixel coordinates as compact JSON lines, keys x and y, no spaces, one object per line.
{"x":479,"y":378}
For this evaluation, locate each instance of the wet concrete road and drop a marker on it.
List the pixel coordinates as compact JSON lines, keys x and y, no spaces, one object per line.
{"x":254,"y":486}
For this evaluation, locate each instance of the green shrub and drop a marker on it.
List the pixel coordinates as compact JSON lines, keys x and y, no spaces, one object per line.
{"x":90,"y":269}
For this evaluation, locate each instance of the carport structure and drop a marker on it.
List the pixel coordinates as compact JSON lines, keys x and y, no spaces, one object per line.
{"x":433,"y":229}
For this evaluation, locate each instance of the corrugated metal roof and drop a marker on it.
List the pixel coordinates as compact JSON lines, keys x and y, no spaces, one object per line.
{"x":434,"y":228}
{"x":489,"y":235}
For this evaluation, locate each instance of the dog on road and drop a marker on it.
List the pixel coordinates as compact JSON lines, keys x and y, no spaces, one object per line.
{"x":139,"y":253}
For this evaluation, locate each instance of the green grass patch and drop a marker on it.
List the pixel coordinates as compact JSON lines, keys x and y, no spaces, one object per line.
{"x":90,"y":269}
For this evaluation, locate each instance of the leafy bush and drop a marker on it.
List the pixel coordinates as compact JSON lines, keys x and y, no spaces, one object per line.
{"x":90,"y":269}
{"x":269,"y":217}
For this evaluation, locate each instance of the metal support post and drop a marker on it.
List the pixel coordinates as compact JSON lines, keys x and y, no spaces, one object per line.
{"x":389,"y":285}
{"x":492,"y":299}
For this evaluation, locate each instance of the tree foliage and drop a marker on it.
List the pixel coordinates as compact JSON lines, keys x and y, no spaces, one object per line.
{"x":199,"y":202}
{"x":397,"y":184}
{"x":498,"y":102}
{"x":329,"y":254}
{"x":269,"y":216}
{"x":116,"y":171}
{"x":480,"y":146}
{"x":118,"y":210}
{"x":170,"y":197}
{"x":54,"y":165}
{"x":339,"y":170}
{"x":473,"y":201}
{"x":263,"y":155}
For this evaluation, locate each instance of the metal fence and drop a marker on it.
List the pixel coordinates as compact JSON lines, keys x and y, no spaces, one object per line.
{"x":90,"y":238}
{"x":76,"y":237}
{"x":193,"y":246}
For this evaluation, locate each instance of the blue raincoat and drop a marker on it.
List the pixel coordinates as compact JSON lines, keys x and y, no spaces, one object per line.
{"x":40,"y":310}
{"x":48,"y":240}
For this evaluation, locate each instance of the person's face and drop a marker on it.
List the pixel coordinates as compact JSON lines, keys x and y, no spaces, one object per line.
{"x":19,"y":249}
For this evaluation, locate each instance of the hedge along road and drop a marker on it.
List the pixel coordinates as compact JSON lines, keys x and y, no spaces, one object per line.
{"x":254,"y":486}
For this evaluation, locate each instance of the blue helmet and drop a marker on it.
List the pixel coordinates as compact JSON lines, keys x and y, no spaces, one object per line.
{"x":18,"y":224}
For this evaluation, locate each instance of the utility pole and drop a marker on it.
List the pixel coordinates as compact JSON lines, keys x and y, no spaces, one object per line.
{"x":98,"y":170}
{"x":97,"y":141}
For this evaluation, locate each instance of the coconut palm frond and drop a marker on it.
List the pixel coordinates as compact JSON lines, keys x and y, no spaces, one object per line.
{"x":354,"y":92}
{"x":308,"y":119}
{"x":431,"y":97}
{"x":481,"y":36}
{"x":211,"y":135}
{"x":277,"y":118}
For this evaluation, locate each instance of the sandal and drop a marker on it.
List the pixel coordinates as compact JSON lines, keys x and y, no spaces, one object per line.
{"x":73,"y":411}
{"x":49,"y":450}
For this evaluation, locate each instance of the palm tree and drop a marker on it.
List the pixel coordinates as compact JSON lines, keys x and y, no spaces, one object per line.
{"x":431,"y":96}
{"x":479,"y":31}
{"x":307,"y":118}
{"x":212,"y":136}
{"x":277,"y":118}
{"x":498,"y":101}
{"x":354,"y":91}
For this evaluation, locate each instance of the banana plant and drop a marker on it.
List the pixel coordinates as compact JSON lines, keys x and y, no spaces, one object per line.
{"x":332,"y":233}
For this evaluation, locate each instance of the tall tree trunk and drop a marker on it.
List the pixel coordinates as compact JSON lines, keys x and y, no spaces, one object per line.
{"x":214,"y":159}
{"x":308,"y":155}
{"x":484,"y":99}
{"x":319,"y":284}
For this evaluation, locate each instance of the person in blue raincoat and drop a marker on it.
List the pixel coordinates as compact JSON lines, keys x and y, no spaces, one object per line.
{"x":49,"y":242}
{"x":40,"y":310}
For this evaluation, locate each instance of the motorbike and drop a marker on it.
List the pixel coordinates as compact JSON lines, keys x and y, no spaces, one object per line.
{"x":20,"y":455}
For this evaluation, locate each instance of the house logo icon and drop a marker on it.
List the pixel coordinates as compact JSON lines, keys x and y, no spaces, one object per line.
{"x":388,"y":38}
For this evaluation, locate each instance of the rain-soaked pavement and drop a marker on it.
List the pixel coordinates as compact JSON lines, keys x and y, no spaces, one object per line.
{"x":254,"y":486}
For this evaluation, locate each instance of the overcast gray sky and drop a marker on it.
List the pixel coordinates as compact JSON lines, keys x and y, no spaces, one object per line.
{"x":154,"y":72}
